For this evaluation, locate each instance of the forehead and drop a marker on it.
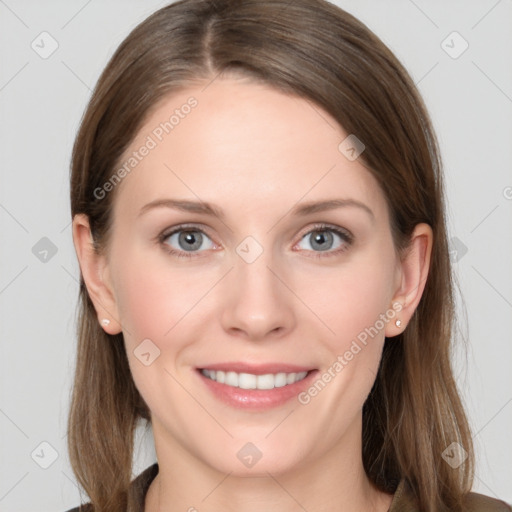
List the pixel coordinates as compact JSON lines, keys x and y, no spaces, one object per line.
{"x":244,"y":145}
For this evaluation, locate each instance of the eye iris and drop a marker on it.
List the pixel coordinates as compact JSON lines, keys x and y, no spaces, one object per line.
{"x":192,"y":240}
{"x":320,"y":237}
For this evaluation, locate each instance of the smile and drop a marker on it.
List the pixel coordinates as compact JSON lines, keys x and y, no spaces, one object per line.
{"x":251,"y":381}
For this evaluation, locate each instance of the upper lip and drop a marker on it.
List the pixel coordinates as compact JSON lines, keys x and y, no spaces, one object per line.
{"x":256,"y":369}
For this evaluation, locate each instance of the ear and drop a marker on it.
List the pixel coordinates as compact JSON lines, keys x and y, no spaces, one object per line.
{"x":96,"y":276}
{"x":411,"y":278}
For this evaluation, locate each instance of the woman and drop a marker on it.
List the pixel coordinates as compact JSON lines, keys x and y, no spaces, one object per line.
{"x":258,"y":214}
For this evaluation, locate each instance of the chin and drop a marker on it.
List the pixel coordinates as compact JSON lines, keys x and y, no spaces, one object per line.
{"x":256,"y":459}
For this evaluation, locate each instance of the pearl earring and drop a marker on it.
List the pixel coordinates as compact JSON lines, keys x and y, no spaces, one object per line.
{"x":398,"y":323}
{"x":105,"y":321}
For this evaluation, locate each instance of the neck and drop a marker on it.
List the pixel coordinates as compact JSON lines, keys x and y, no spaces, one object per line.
{"x":336,"y":481}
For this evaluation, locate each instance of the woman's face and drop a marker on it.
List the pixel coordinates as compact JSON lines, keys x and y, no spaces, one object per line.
{"x":258,"y":293}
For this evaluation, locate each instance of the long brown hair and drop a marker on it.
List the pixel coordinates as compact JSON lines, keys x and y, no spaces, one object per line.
{"x":319,"y":52}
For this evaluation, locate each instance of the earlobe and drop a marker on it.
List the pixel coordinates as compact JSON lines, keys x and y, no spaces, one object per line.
{"x":414,"y":269}
{"x":94,"y":267}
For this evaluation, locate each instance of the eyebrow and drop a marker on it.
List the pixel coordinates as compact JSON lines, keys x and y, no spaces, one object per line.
{"x":302,"y":209}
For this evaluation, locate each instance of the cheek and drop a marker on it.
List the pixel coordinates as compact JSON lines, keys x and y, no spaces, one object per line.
{"x":352,"y":309}
{"x":362,"y":309}
{"x":153,"y":297}
{"x":350,"y":299}
{"x":153,"y":302}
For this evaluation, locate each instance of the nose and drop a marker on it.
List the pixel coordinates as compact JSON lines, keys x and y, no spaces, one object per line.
{"x":257,"y":304}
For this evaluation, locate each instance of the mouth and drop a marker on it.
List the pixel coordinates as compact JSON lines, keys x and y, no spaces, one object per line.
{"x":255,"y":387}
{"x":253,"y":381}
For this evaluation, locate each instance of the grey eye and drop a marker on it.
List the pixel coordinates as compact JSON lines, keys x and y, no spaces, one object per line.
{"x":322,"y":240}
{"x":188,"y":240}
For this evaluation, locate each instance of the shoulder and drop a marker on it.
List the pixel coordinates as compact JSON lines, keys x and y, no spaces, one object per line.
{"x":475,"y":502}
{"x":404,"y":501}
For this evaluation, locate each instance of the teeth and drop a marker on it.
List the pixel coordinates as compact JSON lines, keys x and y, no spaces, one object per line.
{"x":247,"y":381}
{"x":251,"y":381}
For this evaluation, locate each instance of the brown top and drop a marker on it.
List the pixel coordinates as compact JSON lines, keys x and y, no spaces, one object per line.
{"x":403,"y":499}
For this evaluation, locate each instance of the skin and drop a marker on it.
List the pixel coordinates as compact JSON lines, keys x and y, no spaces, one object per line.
{"x":256,"y":153}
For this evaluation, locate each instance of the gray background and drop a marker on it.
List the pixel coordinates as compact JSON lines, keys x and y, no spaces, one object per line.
{"x":41,"y":102}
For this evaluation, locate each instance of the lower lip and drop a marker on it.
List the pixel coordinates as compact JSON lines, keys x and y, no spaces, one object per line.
{"x":256,"y":399}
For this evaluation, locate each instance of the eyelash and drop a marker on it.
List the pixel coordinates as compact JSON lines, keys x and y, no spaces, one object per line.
{"x":344,"y":234}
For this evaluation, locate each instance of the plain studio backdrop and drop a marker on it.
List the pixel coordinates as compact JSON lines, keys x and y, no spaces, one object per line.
{"x":52,"y":53}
